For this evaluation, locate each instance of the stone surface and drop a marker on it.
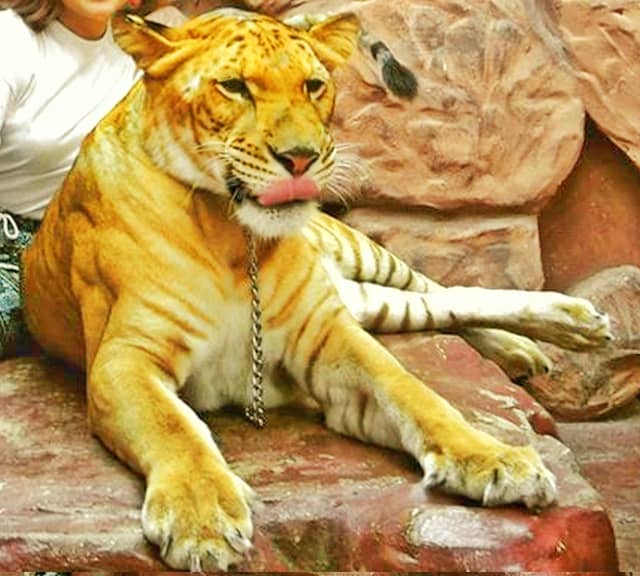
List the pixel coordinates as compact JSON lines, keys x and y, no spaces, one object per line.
{"x":603,"y":39}
{"x":609,"y":456}
{"x":587,"y":386}
{"x":329,"y":503}
{"x":594,"y":220}
{"x":491,"y":251}
{"x":497,"y":120}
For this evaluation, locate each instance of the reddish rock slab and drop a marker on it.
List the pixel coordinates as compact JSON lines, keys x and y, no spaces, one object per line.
{"x":478,"y":388}
{"x":329,"y":503}
{"x":608,"y":453}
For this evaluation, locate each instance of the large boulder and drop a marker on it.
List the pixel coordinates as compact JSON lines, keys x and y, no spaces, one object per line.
{"x":603,"y":40}
{"x":329,"y":502}
{"x":609,"y":456}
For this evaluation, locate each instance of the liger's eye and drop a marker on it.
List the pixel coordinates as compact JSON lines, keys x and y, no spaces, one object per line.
{"x":234,"y":88}
{"x":314,"y":88}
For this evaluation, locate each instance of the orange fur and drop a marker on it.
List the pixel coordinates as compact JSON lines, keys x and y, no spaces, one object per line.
{"x":138,"y":274}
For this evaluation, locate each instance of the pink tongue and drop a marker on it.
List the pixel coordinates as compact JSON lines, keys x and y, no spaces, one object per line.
{"x":285,"y":191}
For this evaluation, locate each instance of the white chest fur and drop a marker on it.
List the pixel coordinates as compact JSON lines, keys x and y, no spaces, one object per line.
{"x":221,"y":367}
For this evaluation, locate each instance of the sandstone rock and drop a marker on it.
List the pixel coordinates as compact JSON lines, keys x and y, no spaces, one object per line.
{"x":594,"y":220}
{"x":497,"y":120}
{"x":603,"y":39}
{"x":587,"y":386}
{"x":448,"y":365}
{"x":609,"y":456}
{"x":273,"y":7}
{"x":330,"y":503}
{"x":492,"y":251}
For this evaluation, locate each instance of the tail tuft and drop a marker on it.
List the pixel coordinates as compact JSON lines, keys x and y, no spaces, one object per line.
{"x":398,"y":78}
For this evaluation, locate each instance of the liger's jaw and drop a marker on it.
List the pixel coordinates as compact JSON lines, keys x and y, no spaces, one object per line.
{"x":275,"y":222}
{"x":280,"y":209}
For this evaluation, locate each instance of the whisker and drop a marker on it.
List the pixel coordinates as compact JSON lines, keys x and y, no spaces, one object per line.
{"x":347,"y":146}
{"x":213,"y":145}
{"x":345,"y":174}
{"x":231,"y":213}
{"x":340,"y":195}
{"x":189,"y":197}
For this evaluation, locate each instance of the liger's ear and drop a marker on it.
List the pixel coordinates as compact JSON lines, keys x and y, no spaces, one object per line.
{"x":142,"y":39}
{"x":156,"y":48}
{"x":335,"y":39}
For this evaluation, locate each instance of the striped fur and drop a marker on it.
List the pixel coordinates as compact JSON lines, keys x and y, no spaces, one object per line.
{"x":385,"y":295}
{"x":138,"y":275}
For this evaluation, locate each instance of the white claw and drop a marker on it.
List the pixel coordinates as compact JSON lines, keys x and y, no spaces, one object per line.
{"x":238,"y":541}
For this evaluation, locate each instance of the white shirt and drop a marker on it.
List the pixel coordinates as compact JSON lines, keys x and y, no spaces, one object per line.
{"x":54,"y":88}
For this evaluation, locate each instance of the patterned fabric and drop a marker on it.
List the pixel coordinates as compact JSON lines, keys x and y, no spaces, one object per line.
{"x":13,"y":332}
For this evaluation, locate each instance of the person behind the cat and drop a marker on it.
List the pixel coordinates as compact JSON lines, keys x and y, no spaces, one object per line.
{"x":60,"y":73}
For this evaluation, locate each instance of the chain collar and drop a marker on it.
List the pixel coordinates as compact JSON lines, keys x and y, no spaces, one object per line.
{"x":255,"y":411}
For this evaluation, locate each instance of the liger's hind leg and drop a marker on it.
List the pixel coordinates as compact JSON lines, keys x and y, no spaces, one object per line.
{"x":386,"y":295}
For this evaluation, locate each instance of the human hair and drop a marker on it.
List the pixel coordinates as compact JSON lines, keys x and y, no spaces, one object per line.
{"x":38,"y":13}
{"x":35,"y":13}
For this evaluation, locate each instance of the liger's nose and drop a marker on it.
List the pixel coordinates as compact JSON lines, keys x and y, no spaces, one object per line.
{"x":296,"y":160}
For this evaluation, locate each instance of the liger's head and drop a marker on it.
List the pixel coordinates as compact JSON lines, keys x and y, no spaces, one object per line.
{"x":246,"y":103}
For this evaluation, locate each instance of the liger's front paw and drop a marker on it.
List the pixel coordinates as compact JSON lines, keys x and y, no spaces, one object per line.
{"x":501,"y":474}
{"x":200,"y":519}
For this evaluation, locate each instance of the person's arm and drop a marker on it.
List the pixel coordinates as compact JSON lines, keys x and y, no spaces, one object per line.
{"x":12,"y":58}
{"x":5,"y":95}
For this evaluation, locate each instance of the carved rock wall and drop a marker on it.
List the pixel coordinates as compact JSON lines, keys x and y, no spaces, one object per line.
{"x":474,"y":250}
{"x":593,"y":222}
{"x":603,"y":39}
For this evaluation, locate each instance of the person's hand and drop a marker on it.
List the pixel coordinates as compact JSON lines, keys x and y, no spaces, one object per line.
{"x":167,"y":15}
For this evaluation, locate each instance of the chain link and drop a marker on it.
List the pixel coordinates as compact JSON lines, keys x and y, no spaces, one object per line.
{"x":255,"y":411}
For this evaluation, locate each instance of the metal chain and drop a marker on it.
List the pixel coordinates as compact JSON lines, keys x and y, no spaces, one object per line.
{"x":255,"y":411}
